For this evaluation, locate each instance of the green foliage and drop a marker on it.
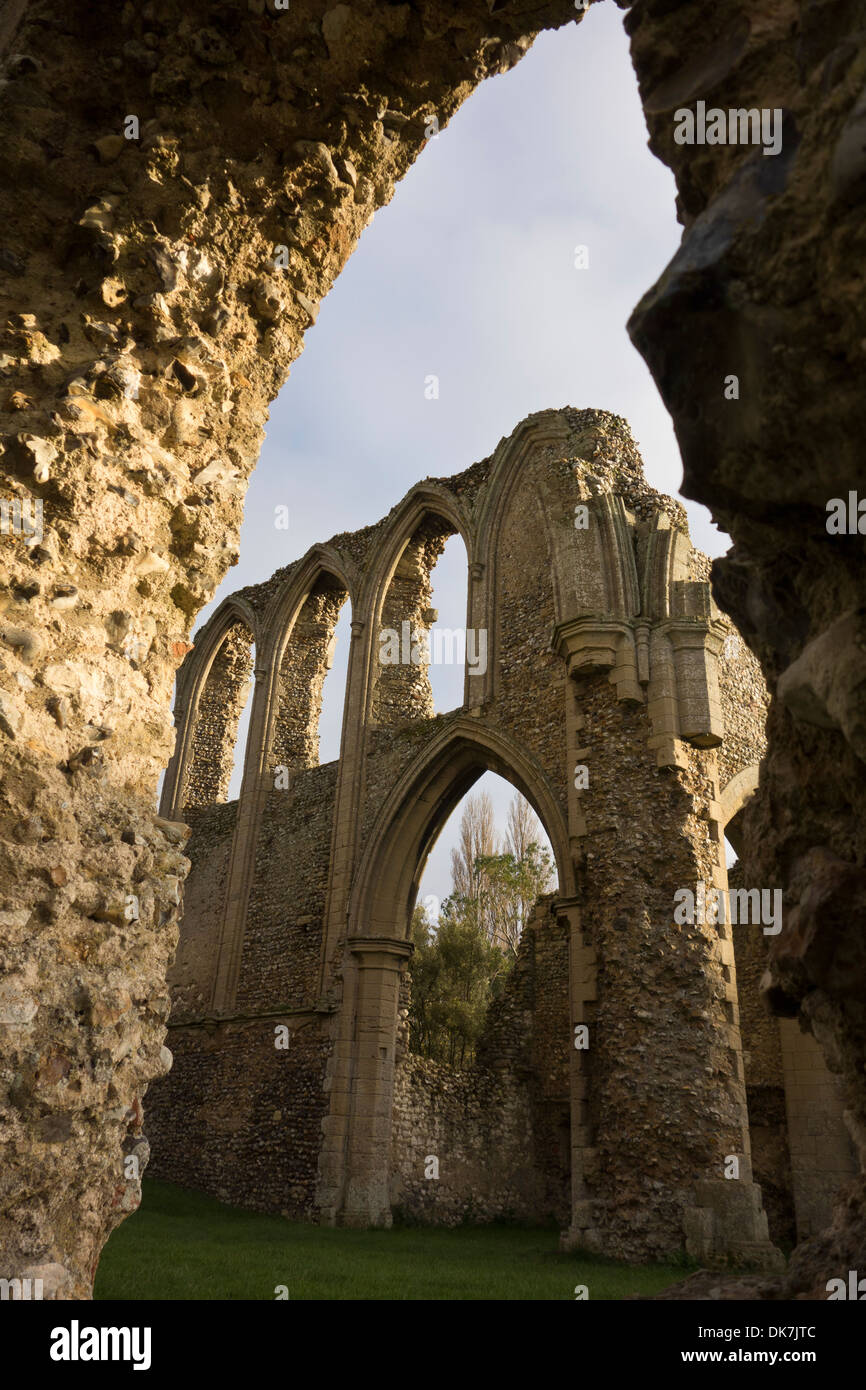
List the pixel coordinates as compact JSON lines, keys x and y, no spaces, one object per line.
{"x":509,"y":887}
{"x":461,"y":961}
{"x":455,"y":971}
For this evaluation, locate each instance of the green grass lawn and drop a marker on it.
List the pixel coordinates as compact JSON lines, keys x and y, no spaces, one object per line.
{"x":182,"y":1245}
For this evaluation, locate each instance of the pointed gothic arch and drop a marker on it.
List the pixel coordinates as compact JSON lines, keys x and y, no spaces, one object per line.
{"x":421,"y":803}
{"x":208,"y":706}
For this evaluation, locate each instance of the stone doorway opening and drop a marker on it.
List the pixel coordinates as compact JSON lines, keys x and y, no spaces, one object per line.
{"x":486,"y":1131}
{"x":479,"y":884}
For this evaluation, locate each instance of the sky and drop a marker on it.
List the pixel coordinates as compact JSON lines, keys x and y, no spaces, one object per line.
{"x":469,"y":274}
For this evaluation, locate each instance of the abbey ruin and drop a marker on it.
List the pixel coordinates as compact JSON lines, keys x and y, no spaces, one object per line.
{"x":606,"y":653}
{"x":145,"y":330}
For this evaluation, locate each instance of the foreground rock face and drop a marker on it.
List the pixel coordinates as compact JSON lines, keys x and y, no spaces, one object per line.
{"x":155,"y":291}
{"x":765,"y":287}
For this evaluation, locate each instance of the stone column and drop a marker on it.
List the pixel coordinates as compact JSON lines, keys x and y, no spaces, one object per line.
{"x":658,"y":1094}
{"x":582,"y":995}
{"x":696,"y":649}
{"x":727,"y":1223}
{"x":171,"y":798}
{"x":380,"y":965}
{"x":478,"y":686}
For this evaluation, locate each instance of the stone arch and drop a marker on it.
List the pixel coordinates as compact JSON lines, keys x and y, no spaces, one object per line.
{"x":208,"y":707}
{"x":425,"y":499}
{"x":397,"y":591}
{"x":306,"y":658}
{"x":665,"y":569}
{"x":509,"y":458}
{"x":592,"y":569}
{"x":283,"y":609}
{"x":283,"y":735}
{"x":299,"y":630}
{"x":506,"y":468}
{"x":735,"y":795}
{"x":420,"y":804}
{"x":356,"y":1190}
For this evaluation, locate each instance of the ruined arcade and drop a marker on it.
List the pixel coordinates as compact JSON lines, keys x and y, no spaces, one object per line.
{"x":618,"y":699}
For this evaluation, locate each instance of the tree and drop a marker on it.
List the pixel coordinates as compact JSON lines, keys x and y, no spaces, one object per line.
{"x":461,"y":961}
{"x":523,"y":827}
{"x":477,"y":837}
{"x":453,"y":971}
{"x":513,"y":886}
{"x":502,"y":880}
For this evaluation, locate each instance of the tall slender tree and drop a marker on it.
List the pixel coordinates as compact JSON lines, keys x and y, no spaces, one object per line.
{"x":462,"y":960}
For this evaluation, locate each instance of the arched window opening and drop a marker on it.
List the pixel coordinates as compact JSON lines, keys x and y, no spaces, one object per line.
{"x":402,"y":689}
{"x":243,"y":729}
{"x":734,"y":840}
{"x":217,"y":746}
{"x":490,"y":865}
{"x":308,"y":657}
{"x":334,"y":687}
{"x":450,"y":644}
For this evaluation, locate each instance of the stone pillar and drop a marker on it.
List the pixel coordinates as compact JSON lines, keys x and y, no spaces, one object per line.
{"x":696,"y":650}
{"x":380,"y":965}
{"x":338,"y":1088}
{"x":478,"y":686}
{"x":582,"y":995}
{"x":581,"y":970}
{"x":171,"y":797}
{"x":658,"y":1094}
